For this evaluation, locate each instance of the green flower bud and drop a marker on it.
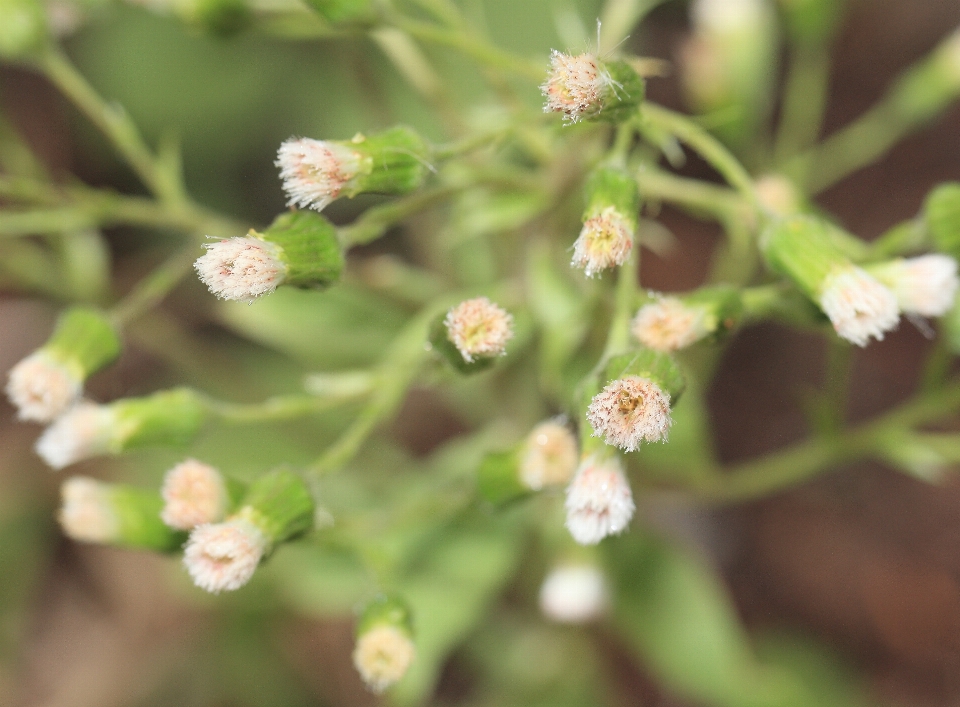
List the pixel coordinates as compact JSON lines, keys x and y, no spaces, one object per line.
{"x":220,"y":18}
{"x":299,"y":249}
{"x":609,"y":221}
{"x":384,"y":649}
{"x":583,"y":87}
{"x":348,"y":12}
{"x":941,"y":212}
{"x":669,"y":323}
{"x":115,"y":514}
{"x":23,"y":28}
{"x":50,"y":380}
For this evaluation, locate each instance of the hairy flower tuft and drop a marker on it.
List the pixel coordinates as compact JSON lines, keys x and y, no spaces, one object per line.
{"x":629,"y":411}
{"x":926,"y":285}
{"x":574,"y":594}
{"x":605,"y":241}
{"x":193,"y":493}
{"x":382,"y":656}
{"x":314,"y":172}
{"x":575,"y":86}
{"x":241,"y":269}
{"x":42,"y":388}
{"x":859,"y":307}
{"x":84,"y":431}
{"x":223,"y":556}
{"x":549,"y":456}
{"x":86,"y":513}
{"x":668,"y":325}
{"x":479,"y":328}
{"x":599,"y":501}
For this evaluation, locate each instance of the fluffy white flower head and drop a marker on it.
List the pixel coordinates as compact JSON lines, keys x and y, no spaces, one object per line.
{"x":858,"y":306}
{"x":668,"y":325}
{"x":574,"y":594}
{"x":926,"y":285}
{"x":575,"y":86}
{"x":42,"y":388}
{"x":223,"y":556}
{"x":84,"y":431}
{"x":382,"y":656}
{"x":605,"y":241}
{"x":599,"y":501}
{"x":479,"y":328}
{"x":629,"y":411}
{"x":726,"y":16}
{"x":549,"y":456}
{"x":241,"y":269}
{"x":86,"y":513}
{"x":193,"y":494}
{"x":314,"y":172}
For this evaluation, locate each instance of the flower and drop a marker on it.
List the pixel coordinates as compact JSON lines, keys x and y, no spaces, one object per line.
{"x":575,"y":86}
{"x":574,"y":594}
{"x":223,"y":556}
{"x":193,"y":493}
{"x":241,"y":268}
{"x":926,"y":285}
{"x":383,"y":655}
{"x":84,"y":431}
{"x":314,"y":172}
{"x":605,"y":241}
{"x":858,"y":306}
{"x":630,"y":410}
{"x":599,"y":502}
{"x":86,"y":512}
{"x":668,"y":325}
{"x":479,"y":328}
{"x":549,"y":456}
{"x":41,"y":388}
{"x":726,"y":16}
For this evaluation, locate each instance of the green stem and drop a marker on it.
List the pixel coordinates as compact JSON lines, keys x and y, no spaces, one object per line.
{"x":150,"y":291}
{"x":281,"y":407}
{"x":804,"y":101}
{"x":618,"y":338}
{"x":376,"y":221}
{"x":693,"y":195}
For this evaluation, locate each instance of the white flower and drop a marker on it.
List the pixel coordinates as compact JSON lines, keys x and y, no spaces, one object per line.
{"x":223,"y":556}
{"x":599,"y":502}
{"x":629,"y":411}
{"x":575,"y":86}
{"x":86,"y":430}
{"x":777,"y":194}
{"x":241,"y":268}
{"x":479,"y":328}
{"x":86,"y":513}
{"x":926,"y":285}
{"x":726,"y":16}
{"x":574,"y":594}
{"x":604,"y":242}
{"x":382,"y":656}
{"x":41,"y":388}
{"x":668,"y":325}
{"x":193,"y":494}
{"x":314,"y":172}
{"x":859,"y":307}
{"x":549,"y":456}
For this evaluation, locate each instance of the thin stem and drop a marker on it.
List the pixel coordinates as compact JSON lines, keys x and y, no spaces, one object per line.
{"x":624,"y":303}
{"x":804,"y":101}
{"x":700,"y":197}
{"x":281,"y":407}
{"x":376,"y":221}
{"x":150,"y":291}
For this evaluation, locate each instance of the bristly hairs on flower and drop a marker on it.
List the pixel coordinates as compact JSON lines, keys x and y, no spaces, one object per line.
{"x":599,"y":501}
{"x":86,"y":513}
{"x":193,"y":493}
{"x":858,"y":306}
{"x":241,"y":268}
{"x":630,"y":410}
{"x":84,"y":431}
{"x":383,"y":655}
{"x":925,"y":285}
{"x":605,"y":241}
{"x":223,"y":556}
{"x":668,"y":325}
{"x":549,"y":456}
{"x":42,"y":388}
{"x":575,"y":85}
{"x":314,"y":172}
{"x":574,"y":594}
{"x":479,"y":329}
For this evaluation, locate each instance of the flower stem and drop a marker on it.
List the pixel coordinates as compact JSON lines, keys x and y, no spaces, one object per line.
{"x":150,"y":291}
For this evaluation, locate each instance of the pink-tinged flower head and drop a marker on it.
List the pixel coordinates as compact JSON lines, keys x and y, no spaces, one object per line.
{"x":241,"y":269}
{"x":858,"y":306}
{"x":605,"y":241}
{"x":382,"y":656}
{"x":574,"y":594}
{"x":223,"y":556}
{"x":549,"y":456}
{"x":668,"y":325}
{"x":599,"y":501}
{"x":84,"y":431}
{"x":193,"y":494}
{"x":575,"y":86}
{"x":926,"y":285}
{"x":314,"y":172}
{"x":479,"y":328}
{"x":42,"y":388}
{"x":86,"y":513}
{"x":629,"y":411}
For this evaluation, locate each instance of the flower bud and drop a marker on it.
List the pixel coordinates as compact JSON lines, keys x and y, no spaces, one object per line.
{"x":195,"y":493}
{"x":219,"y":18}
{"x":345,"y":12}
{"x":803,"y":249}
{"x":634,"y":406}
{"x":609,"y":221}
{"x":599,"y":501}
{"x":299,"y":249}
{"x":472,"y":334}
{"x":168,"y":418}
{"x":50,"y":380}
{"x":671,"y":323}
{"x":315,"y":172}
{"x":926,"y":285}
{"x":574,"y":594}
{"x":583,"y":87}
{"x":115,"y":514}
{"x":23,"y":28}
{"x":941,"y":213}
{"x":384,"y":649}
{"x":223,"y":556}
